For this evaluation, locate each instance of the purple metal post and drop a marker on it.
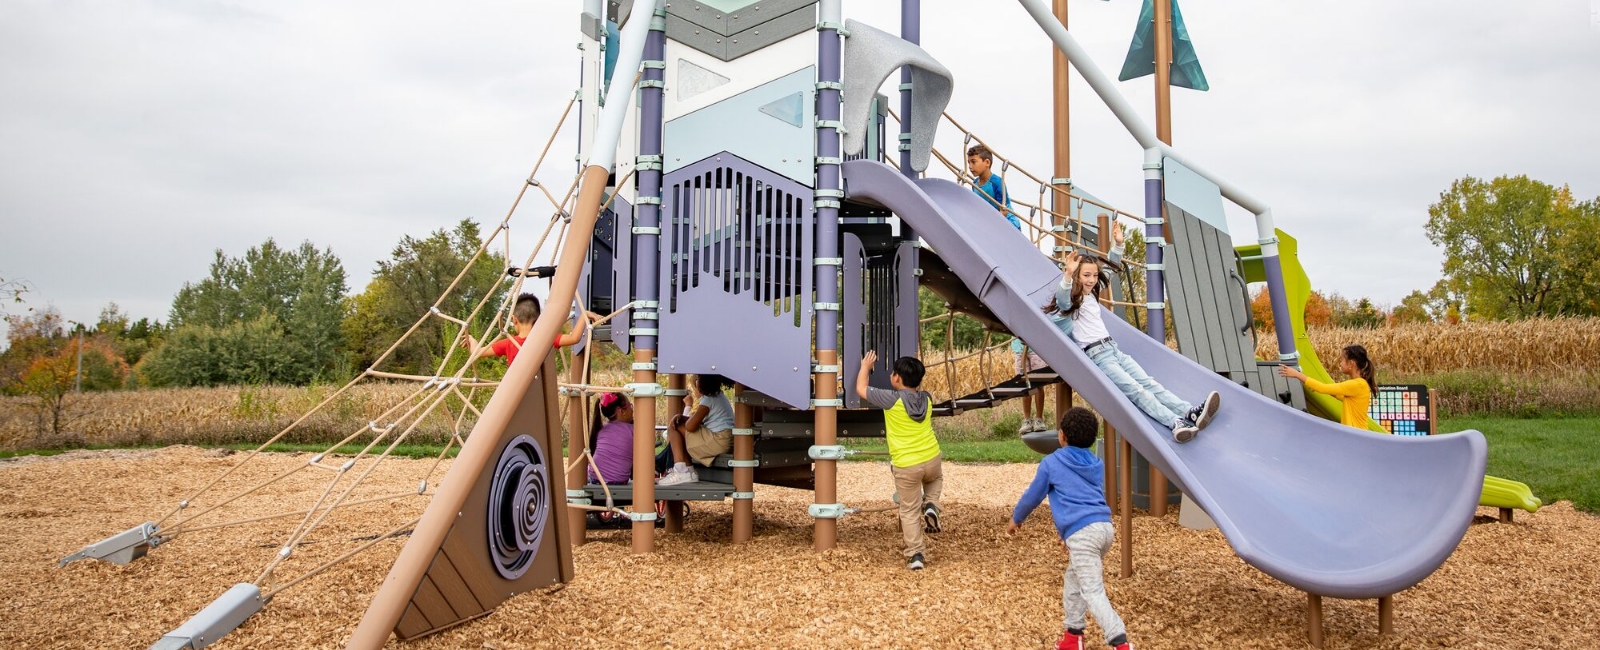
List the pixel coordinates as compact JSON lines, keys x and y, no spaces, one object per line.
{"x":647,"y":211}
{"x":1280,"y":307}
{"x":828,"y":192}
{"x":1155,"y":299}
{"x":911,"y":31}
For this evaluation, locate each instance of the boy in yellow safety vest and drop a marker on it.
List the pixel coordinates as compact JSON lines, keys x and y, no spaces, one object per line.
{"x":914,"y":457}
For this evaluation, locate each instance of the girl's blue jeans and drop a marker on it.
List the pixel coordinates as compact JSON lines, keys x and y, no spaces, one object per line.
{"x":1146,"y":393}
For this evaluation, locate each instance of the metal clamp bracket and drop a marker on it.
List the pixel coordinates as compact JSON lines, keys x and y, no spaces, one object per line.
{"x":647,"y":167}
{"x":1152,"y":165}
{"x":827,"y":261}
{"x":566,"y":391}
{"x":646,"y":304}
{"x":905,"y":86}
{"x":652,"y":83}
{"x":827,"y":452}
{"x":1061,"y":181}
{"x":830,"y":85}
{"x":1267,"y":240}
{"x":577,"y":494}
{"x":825,"y":203}
{"x":645,"y":314}
{"x":743,"y":495}
{"x":584,"y":501}
{"x":676,"y":392}
{"x":831,"y":124}
{"x":827,"y":306}
{"x":1155,"y":267}
{"x":741,"y":464}
{"x":837,"y":194}
{"x":644,"y":365}
{"x":653,"y":65}
{"x":743,"y":431}
{"x":642,"y":516}
{"x":905,"y":146}
{"x":646,"y":230}
{"x":1154,"y":221}
{"x":825,"y":368}
{"x":827,"y":402}
{"x":1155,"y":305}
{"x":645,"y":389}
{"x":647,"y":158}
{"x":838,"y":27}
{"x":647,"y":200}
{"x":905,"y":137}
{"x":643,"y":331}
{"x":829,"y":160}
{"x":826,"y":510}
{"x":1292,"y":356}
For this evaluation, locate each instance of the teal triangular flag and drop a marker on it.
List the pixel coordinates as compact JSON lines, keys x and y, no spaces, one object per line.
{"x":1186,"y":72}
{"x":791,"y":109}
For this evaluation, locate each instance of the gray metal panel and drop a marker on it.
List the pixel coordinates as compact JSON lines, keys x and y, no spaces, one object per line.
{"x":622,"y":272}
{"x":1185,"y":301}
{"x":722,"y":18}
{"x":1192,"y":193}
{"x":1210,"y":277}
{"x":906,"y":312}
{"x":870,"y":56}
{"x":854,"y":323}
{"x":737,"y":125}
{"x":590,"y":26}
{"x":1307,"y":501}
{"x":751,"y":39}
{"x":1231,"y":310}
{"x":736,"y":277}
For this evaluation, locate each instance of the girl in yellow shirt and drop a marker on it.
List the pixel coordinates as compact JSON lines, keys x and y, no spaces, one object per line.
{"x":1355,"y":393}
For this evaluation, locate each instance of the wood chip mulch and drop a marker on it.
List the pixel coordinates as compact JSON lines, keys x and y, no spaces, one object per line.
{"x":1531,"y":584}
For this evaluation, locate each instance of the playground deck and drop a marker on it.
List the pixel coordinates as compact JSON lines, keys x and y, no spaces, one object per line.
{"x":1529,"y":585}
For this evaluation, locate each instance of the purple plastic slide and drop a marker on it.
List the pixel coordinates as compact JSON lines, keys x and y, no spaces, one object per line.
{"x":1328,"y":509}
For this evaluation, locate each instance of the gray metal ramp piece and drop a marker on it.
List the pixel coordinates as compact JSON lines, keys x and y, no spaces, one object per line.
{"x":1325,"y":508}
{"x":121,"y":548}
{"x":223,"y":615}
{"x":697,"y":491}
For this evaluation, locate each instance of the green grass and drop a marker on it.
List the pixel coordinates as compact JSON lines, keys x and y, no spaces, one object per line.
{"x":1558,"y":458}
{"x":958,"y":451}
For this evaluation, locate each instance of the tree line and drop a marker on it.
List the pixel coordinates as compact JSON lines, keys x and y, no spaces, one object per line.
{"x":273,"y":315}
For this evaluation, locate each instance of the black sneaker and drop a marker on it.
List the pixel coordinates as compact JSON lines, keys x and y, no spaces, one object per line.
{"x":916,"y":563}
{"x":930,"y":518}
{"x":1184,"y":430}
{"x":1201,"y":415}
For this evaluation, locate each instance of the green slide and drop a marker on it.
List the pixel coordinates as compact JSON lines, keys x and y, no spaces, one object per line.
{"x":1497,"y":492}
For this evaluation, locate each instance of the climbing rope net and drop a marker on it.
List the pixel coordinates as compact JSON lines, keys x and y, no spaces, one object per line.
{"x":1058,"y":222}
{"x":447,"y":396}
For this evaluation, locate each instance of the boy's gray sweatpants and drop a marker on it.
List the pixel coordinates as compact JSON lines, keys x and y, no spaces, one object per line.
{"x":1083,"y":587}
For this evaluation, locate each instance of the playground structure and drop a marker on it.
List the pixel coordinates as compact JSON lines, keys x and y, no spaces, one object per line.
{"x":742,"y":215}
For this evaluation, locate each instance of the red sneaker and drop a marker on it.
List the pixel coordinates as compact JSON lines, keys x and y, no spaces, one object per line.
{"x":1070,"y":641}
{"x":1125,"y":646}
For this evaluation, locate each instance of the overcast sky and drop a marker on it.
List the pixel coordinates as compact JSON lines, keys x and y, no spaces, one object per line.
{"x":137,"y":136}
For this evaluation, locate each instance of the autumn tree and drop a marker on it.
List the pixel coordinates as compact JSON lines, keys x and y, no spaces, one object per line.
{"x":1316,"y":312}
{"x":1518,"y":248}
{"x":1412,"y":309}
{"x":406,"y":285}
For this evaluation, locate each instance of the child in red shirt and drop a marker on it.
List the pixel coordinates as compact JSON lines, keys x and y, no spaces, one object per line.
{"x":522,"y":316}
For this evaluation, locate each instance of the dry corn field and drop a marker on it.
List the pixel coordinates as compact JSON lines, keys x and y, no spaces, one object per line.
{"x":1537,"y":346}
{"x":1531,"y":584}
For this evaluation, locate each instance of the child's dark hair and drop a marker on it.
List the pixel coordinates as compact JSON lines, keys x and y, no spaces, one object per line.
{"x":1369,"y":370}
{"x":1081,"y":427}
{"x":526,"y":309}
{"x":607,"y":406}
{"x":981,"y":152}
{"x":708,"y":384}
{"x":910,"y":370}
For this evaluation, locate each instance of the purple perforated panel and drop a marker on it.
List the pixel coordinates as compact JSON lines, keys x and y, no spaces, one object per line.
{"x":736,"y":276}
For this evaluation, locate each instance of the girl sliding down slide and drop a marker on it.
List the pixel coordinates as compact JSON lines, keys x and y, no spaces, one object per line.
{"x":1080,"y":318}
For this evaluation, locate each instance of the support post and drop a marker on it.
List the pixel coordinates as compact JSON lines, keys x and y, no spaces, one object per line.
{"x":1163,"y":65}
{"x":1506,"y":515}
{"x":1061,"y":119}
{"x":1386,"y":615}
{"x":829,"y":58}
{"x":911,"y":31}
{"x":577,"y":443}
{"x":1125,"y":501}
{"x":646,"y":246}
{"x":744,"y":448}
{"x":675,"y":384}
{"x":1314,"y":620}
{"x":1109,"y":444}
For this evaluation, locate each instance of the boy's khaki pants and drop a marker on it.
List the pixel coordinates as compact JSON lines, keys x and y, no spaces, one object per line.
{"x":916,"y":485}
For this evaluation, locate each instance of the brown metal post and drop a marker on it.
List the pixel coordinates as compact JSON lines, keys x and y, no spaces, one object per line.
{"x":644,"y":453}
{"x":577,"y":442}
{"x":1061,"y":116}
{"x":675,"y":384}
{"x":1505,"y":515}
{"x":1164,"y":71}
{"x":1125,"y":500}
{"x":1433,"y":411}
{"x":1109,"y":444}
{"x":744,"y":449}
{"x":1386,"y":615}
{"x":825,"y":533}
{"x":1314,"y":619}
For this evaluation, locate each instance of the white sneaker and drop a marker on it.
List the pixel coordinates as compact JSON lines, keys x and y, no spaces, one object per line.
{"x":1040,"y":425}
{"x":676,"y":476}
{"x":1026,"y":427}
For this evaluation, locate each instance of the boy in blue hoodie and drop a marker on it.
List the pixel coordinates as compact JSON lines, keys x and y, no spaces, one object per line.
{"x":1074,"y":479}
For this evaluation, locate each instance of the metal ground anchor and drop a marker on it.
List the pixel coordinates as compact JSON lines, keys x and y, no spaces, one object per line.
{"x":121,"y":548}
